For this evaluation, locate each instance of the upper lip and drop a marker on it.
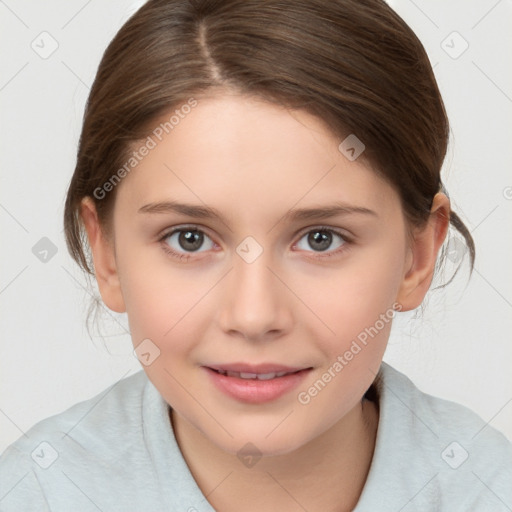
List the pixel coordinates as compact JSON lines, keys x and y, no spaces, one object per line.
{"x":258,"y":369}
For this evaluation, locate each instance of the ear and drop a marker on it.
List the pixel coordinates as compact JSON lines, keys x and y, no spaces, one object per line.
{"x":423,"y":252}
{"x":103,"y":257}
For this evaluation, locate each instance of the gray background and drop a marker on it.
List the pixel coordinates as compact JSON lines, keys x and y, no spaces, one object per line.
{"x":459,"y":348}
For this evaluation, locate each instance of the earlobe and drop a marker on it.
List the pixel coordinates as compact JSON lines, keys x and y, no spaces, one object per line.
{"x":423,"y":254}
{"x":102,"y":249}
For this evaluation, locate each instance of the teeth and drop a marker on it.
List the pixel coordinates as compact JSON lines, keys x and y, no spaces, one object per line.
{"x":247,"y":375}
{"x":266,"y":376}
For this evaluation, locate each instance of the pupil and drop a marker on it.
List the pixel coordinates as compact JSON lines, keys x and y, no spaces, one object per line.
{"x":322,"y":238}
{"x":191,"y":240}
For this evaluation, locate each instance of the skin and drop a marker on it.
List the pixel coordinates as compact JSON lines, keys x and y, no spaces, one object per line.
{"x":254,"y":162}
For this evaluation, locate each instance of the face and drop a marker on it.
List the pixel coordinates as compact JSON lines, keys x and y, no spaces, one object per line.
{"x":247,"y":245}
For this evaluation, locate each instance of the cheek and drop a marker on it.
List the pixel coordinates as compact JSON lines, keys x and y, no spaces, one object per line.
{"x":157,"y":296}
{"x":352,"y":297}
{"x":357,"y":303}
{"x":359,"y":309}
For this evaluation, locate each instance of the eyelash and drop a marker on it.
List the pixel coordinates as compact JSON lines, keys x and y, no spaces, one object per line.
{"x":347,"y":241}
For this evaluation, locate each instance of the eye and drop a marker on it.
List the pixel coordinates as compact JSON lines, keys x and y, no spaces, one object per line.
{"x":181,"y":243}
{"x":187,"y":240}
{"x":321,"y":240}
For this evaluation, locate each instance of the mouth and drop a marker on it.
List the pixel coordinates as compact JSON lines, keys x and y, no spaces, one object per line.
{"x":252,"y":376}
{"x":256,"y":383}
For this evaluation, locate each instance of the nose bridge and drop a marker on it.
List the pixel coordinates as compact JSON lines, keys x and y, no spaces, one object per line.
{"x":254,"y":304}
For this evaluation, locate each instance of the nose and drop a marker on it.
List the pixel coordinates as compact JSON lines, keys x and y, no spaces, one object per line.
{"x":256,"y":305}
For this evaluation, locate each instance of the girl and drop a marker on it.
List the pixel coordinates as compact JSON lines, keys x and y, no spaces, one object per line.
{"x":258,"y":187}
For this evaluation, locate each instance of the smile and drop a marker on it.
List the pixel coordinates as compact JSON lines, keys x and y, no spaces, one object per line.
{"x":255,"y":384}
{"x":259,"y":376}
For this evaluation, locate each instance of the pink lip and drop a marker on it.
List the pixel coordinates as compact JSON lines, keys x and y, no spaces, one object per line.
{"x":255,"y":368}
{"x":256,"y":391}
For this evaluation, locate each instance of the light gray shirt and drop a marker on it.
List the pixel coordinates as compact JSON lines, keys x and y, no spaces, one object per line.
{"x":117,"y":452}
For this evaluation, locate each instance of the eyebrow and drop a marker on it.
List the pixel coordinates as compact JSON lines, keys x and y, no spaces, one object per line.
{"x":294,"y":214}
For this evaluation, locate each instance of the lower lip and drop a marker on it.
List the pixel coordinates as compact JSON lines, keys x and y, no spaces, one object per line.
{"x":256,"y":391}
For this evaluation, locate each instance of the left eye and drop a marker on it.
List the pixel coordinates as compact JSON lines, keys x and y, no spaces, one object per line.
{"x":321,"y":240}
{"x":188,"y":240}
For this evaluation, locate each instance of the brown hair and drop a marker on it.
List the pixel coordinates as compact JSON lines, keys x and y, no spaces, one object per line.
{"x":354,"y":64}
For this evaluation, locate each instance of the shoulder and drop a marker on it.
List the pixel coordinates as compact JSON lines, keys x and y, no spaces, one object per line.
{"x":436,"y":450}
{"x":89,"y":435}
{"x":95,"y":419}
{"x":441,"y":418}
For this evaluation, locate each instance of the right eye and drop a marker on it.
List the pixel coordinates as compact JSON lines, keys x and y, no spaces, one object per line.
{"x":186,"y":240}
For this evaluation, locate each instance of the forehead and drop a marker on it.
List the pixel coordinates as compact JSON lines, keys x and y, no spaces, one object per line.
{"x":246,"y":156}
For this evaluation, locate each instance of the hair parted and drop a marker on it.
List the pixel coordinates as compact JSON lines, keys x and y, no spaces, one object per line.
{"x":354,"y":64}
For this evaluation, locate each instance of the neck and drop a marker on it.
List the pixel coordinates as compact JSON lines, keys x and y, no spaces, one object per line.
{"x":326,"y":474}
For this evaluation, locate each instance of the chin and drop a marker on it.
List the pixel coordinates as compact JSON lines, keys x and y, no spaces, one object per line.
{"x":264,"y":439}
